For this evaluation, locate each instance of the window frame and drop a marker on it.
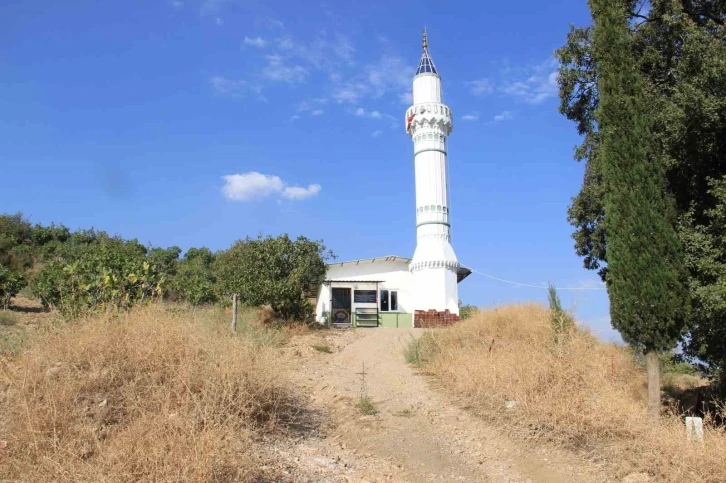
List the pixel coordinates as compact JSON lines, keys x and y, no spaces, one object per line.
{"x":388,"y":300}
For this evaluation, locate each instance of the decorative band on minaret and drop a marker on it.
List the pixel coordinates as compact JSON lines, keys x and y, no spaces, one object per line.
{"x":429,"y":123}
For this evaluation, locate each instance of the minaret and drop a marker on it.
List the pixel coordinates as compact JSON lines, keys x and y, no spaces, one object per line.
{"x":429,"y":122}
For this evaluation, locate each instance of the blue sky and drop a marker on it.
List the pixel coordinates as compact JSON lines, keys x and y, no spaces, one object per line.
{"x":146,"y":119}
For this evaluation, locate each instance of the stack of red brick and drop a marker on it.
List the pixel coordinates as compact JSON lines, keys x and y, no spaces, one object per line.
{"x":424,"y":319}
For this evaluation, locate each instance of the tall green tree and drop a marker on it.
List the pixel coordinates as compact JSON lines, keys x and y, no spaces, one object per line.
{"x":679,"y":47}
{"x":275,"y":271}
{"x":645,"y":262}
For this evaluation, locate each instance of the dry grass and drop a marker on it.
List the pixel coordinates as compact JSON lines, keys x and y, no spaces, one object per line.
{"x":580,"y":392}
{"x":153,"y":395}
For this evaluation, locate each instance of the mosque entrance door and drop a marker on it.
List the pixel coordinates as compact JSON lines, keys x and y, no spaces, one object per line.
{"x":341,"y":305}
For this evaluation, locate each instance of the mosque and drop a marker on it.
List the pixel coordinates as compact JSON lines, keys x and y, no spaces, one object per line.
{"x":393,"y":291}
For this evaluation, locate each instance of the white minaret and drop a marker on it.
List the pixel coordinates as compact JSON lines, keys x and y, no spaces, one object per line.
{"x":429,"y":122}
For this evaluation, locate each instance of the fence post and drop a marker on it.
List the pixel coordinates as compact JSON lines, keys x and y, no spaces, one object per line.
{"x":694,"y":429}
{"x":234,"y":313}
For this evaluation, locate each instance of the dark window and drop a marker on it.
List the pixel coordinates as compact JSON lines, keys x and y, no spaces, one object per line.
{"x":364,"y":296}
{"x":384,"y":301}
{"x":394,"y":300}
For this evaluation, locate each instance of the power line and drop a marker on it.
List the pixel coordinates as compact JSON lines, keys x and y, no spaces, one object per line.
{"x":534,"y":286}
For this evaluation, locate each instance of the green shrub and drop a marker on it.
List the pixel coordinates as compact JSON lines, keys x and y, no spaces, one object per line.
{"x":561,"y":321}
{"x":366,"y":406}
{"x":11,"y":282}
{"x":466,"y":310}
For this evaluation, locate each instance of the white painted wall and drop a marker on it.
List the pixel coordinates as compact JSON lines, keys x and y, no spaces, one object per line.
{"x":394,"y":274}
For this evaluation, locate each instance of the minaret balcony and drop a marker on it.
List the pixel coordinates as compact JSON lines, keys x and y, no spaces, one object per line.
{"x":431,"y":115}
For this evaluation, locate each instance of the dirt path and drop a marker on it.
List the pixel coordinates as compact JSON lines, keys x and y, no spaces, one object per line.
{"x":416,"y":435}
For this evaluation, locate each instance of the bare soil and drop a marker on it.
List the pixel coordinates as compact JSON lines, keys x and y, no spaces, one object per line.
{"x":417,"y":433}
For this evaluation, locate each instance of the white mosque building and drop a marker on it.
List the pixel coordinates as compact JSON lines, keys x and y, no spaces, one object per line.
{"x":394,"y":291}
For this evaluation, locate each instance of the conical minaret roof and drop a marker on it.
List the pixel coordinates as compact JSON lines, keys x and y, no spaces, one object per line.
{"x":426,"y":64}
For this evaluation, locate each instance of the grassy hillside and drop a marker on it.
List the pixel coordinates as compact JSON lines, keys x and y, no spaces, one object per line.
{"x":150,"y":395}
{"x":579,"y":392}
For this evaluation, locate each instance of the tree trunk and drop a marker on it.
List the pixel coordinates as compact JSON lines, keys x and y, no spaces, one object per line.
{"x":234,"y":313}
{"x":652,"y":365}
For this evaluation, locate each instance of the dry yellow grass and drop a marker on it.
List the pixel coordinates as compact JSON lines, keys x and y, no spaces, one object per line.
{"x":152,"y":395}
{"x":582,"y":393}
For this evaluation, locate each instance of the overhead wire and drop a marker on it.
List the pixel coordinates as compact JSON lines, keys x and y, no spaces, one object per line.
{"x":531,"y":285}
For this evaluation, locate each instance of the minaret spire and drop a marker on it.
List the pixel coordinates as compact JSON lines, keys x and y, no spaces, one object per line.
{"x":426,"y":64}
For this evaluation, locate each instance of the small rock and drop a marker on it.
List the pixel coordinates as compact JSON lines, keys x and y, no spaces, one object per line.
{"x":510,"y":404}
{"x":103,"y":403}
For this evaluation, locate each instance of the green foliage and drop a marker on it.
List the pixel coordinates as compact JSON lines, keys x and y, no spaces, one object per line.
{"x":705,"y":245}
{"x":645,"y":262}
{"x":366,"y":406}
{"x":88,"y":270}
{"x":561,"y":321}
{"x":275,"y":271}
{"x":11,"y":282}
{"x":15,"y":233}
{"x":108,"y":274}
{"x":195,"y":279}
{"x":680,"y":51}
{"x":419,"y":350}
{"x":466,"y":310}
{"x":165,"y":259}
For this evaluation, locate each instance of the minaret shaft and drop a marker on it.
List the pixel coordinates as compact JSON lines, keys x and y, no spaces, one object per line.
{"x":429,"y":123}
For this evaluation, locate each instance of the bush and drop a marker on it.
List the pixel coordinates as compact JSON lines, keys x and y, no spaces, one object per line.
{"x":11,"y":282}
{"x":112,"y":274}
{"x":466,"y":311}
{"x":274,"y":271}
{"x":148,"y":396}
{"x":562,"y":322}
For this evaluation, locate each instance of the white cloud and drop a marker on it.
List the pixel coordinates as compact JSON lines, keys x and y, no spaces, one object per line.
{"x":254,"y":41}
{"x":294,"y":118}
{"x":376,"y":133}
{"x":361,"y":112}
{"x":177,"y":4}
{"x":470,"y":117}
{"x":533,"y":84}
{"x":406,"y":98}
{"x":503,"y":116}
{"x":277,"y":69}
{"x":255,"y":186}
{"x":312,"y":106}
{"x":250,"y":186}
{"x":235,"y":88}
{"x":219,"y":21}
{"x":389,"y":74}
{"x":480,"y":87}
{"x":300,"y":193}
{"x":273,"y":22}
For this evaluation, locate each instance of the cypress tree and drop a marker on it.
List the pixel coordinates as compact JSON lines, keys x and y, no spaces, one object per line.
{"x":645,"y":274}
